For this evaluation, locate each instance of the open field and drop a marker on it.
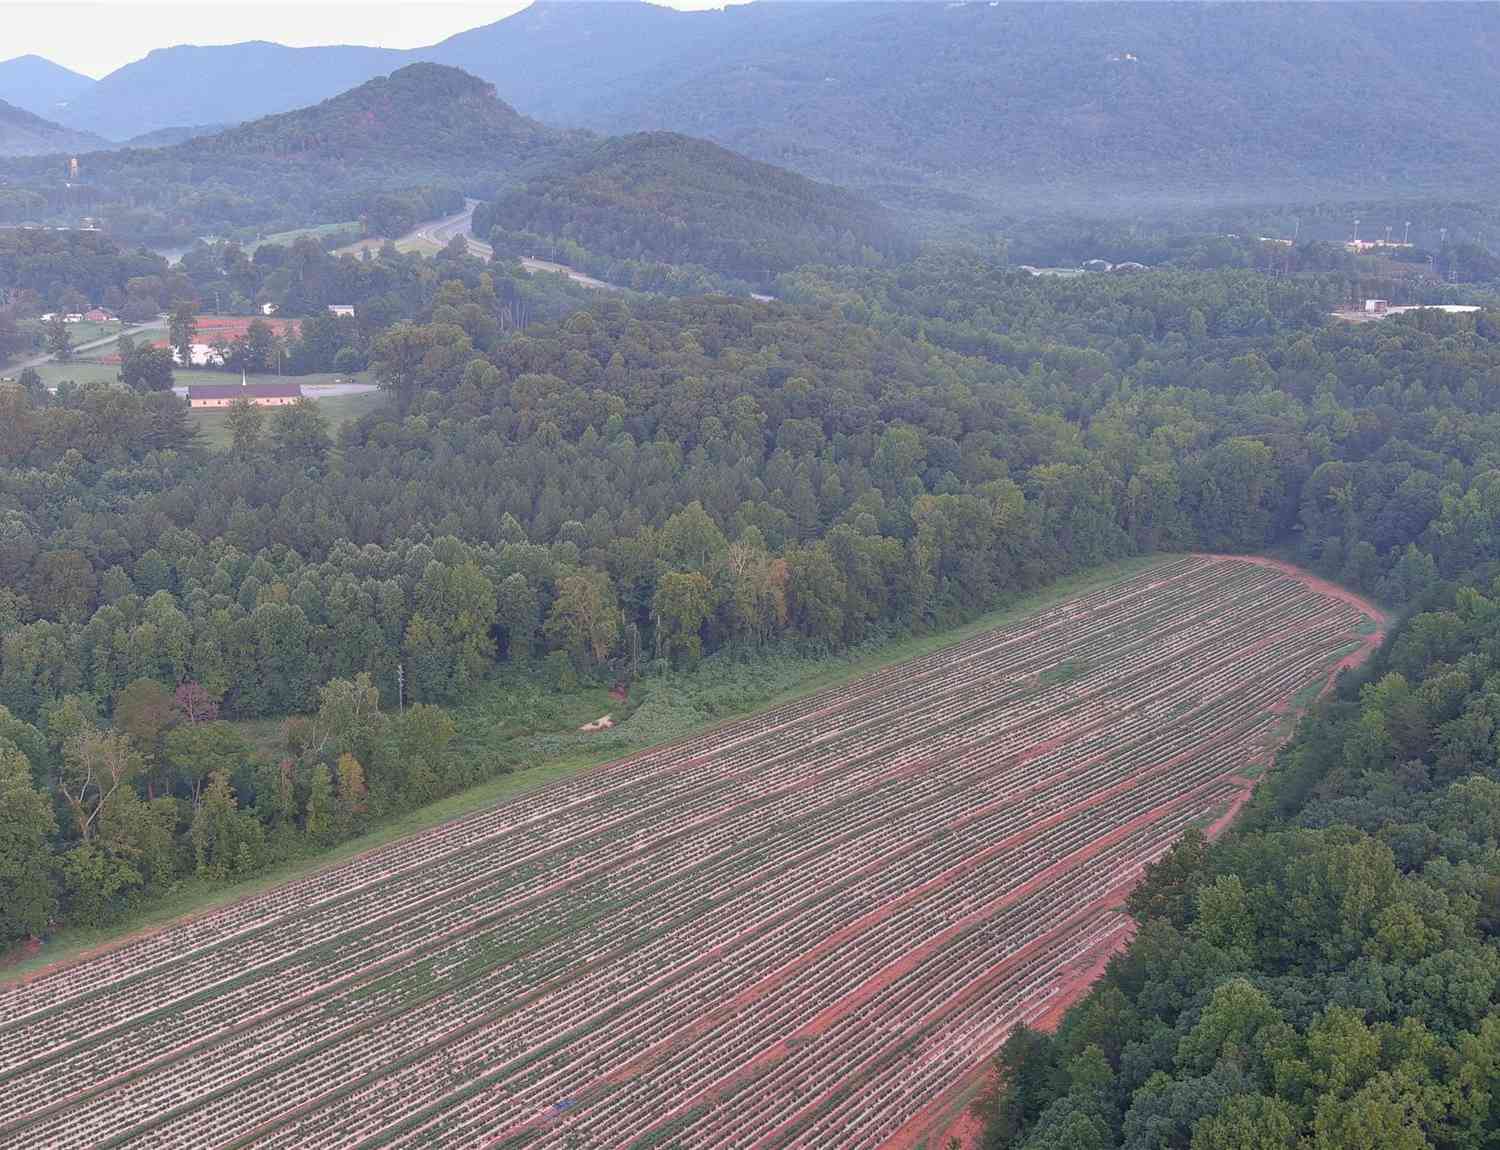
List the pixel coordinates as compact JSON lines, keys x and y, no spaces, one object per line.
{"x":337,"y":409}
{"x":795,"y":930}
{"x":315,"y":231}
{"x":412,"y":242}
{"x":92,"y":371}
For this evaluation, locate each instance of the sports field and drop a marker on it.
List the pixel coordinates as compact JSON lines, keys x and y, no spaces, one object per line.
{"x":800,"y":929}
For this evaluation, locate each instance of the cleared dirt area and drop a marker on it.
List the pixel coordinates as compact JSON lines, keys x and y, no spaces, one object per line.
{"x":800,"y":929}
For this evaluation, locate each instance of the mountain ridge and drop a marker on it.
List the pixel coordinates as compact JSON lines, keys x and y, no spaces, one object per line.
{"x":1019,"y":105}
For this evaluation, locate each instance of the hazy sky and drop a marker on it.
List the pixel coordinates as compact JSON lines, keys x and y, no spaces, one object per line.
{"x":97,"y":36}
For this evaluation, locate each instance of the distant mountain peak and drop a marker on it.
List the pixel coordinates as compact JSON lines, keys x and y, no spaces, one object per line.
{"x":37,"y":85}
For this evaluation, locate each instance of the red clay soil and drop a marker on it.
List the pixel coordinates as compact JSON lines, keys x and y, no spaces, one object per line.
{"x":937,"y":1126}
{"x":1310,"y":581}
{"x":21,"y":951}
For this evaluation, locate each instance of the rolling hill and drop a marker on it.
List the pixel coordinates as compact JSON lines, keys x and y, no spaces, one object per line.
{"x":24,"y":133}
{"x":422,"y":127}
{"x":408,"y":146}
{"x":669,"y":198}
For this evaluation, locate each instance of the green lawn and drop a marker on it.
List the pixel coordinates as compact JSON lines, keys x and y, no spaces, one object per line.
{"x":317,"y":231}
{"x":337,"y":409}
{"x":517,"y":721}
{"x":403,"y":245}
{"x":92,"y":371}
{"x":88,"y":332}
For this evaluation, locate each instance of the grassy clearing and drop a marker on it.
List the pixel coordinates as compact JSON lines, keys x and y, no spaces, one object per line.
{"x":404,"y":245}
{"x":317,"y":232}
{"x":92,"y":371}
{"x":337,"y":409}
{"x":88,"y":332}
{"x":521,"y":723}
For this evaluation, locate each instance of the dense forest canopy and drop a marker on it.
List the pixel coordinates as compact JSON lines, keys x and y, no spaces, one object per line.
{"x":620,"y":484}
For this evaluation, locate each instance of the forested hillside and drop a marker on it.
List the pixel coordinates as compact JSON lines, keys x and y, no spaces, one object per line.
{"x":421,"y":126}
{"x":643,"y":483}
{"x":666,"y":199}
{"x":1079,"y":104}
{"x":24,"y":134}
{"x":960,"y":107}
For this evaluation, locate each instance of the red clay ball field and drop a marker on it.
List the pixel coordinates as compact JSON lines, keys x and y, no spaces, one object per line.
{"x":804,"y":929}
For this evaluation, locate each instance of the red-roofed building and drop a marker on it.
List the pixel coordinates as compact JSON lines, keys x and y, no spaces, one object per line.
{"x":215,"y":331}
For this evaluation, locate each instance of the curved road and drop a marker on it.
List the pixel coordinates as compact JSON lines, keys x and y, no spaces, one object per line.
{"x":92,"y":345}
{"x":440,"y":232}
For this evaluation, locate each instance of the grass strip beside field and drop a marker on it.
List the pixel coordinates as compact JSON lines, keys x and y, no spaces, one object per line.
{"x":769,"y":683}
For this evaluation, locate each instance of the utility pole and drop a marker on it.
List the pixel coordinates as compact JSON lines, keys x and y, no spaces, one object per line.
{"x":400,"y":688}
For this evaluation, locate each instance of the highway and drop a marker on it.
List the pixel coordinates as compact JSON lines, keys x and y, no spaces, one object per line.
{"x":440,"y":232}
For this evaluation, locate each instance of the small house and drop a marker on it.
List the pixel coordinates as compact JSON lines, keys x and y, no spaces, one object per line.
{"x":341,"y":309}
{"x":99,"y":315}
{"x":1377,"y":306}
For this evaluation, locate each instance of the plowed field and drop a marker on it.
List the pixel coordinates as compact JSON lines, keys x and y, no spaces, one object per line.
{"x":798,"y":930}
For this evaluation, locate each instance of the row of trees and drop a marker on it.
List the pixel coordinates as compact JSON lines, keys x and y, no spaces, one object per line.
{"x":659,"y":480}
{"x":839,"y":501}
{"x":96,"y":818}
